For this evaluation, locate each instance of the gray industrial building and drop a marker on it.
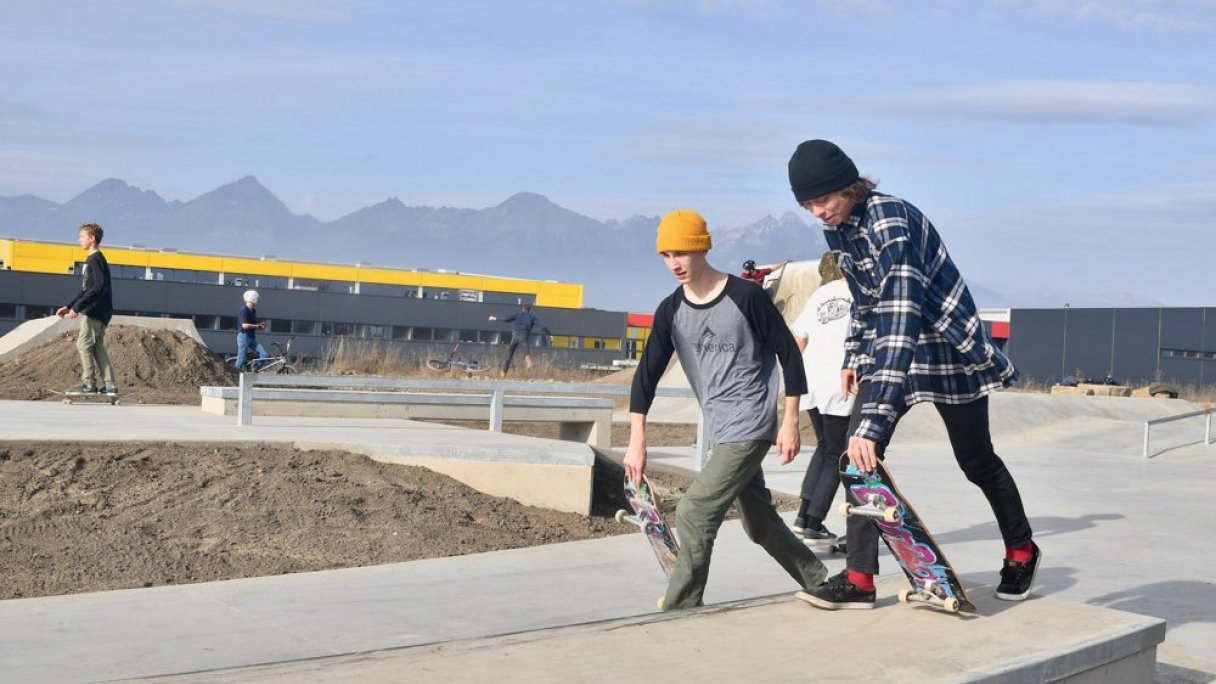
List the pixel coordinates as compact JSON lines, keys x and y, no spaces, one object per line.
{"x":1133,"y":346}
{"x":316,"y":319}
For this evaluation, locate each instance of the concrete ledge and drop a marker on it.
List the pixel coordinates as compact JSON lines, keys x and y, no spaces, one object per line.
{"x":561,"y":481}
{"x":1041,"y":640}
{"x":765,"y":640}
{"x":581,"y":419}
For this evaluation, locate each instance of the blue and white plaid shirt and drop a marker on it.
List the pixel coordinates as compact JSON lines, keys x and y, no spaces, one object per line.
{"x":915,"y":333}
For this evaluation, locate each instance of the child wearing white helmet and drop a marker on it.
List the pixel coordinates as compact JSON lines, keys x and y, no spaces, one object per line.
{"x":247,"y":327}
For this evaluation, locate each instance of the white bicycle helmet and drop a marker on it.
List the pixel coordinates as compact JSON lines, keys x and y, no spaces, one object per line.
{"x":251,"y":296}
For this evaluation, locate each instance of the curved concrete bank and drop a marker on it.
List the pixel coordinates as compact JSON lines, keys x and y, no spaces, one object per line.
{"x":37,"y":332}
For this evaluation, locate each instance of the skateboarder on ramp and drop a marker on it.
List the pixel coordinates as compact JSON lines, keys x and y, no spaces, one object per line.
{"x":910,"y":304}
{"x":728,"y":336}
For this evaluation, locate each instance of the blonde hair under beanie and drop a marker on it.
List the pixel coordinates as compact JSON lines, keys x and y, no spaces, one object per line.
{"x":683,"y":230}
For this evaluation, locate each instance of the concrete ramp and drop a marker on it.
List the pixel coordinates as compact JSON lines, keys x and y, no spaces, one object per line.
{"x":35,"y":333}
{"x":779,"y":639}
{"x":1110,"y":425}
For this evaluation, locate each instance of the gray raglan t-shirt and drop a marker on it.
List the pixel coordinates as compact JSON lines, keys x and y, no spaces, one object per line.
{"x":729,"y":349}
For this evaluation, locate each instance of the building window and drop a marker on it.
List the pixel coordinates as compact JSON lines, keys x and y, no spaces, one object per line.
{"x":339,"y":329}
{"x":304,"y":327}
{"x":8,"y":310}
{"x":203,"y":322}
{"x":33,"y":311}
{"x":227,"y":322}
{"x":179,"y":275}
{"x":385,"y":290}
{"x":324,"y":285}
{"x":280,"y":325}
{"x":468,"y":336}
{"x":264,"y":281}
{"x":372,"y":331}
{"x":401,"y":332}
{"x":1193,"y":354}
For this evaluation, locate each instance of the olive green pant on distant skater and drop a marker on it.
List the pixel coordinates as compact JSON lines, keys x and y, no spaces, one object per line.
{"x":733,"y":475}
{"x":91,"y":343}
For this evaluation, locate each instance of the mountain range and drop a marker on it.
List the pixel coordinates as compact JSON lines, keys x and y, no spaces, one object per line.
{"x":526,"y":236}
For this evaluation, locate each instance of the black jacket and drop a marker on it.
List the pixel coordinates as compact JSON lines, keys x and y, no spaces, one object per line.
{"x":95,"y":299}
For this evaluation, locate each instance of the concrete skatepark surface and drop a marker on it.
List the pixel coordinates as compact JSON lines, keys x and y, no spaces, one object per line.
{"x":1115,"y":530}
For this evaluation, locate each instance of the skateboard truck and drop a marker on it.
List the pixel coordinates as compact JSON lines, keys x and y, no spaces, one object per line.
{"x":873,"y":507}
{"x":930,"y":592}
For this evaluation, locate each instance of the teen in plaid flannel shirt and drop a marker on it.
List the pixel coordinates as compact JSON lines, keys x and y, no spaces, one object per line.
{"x":915,"y":336}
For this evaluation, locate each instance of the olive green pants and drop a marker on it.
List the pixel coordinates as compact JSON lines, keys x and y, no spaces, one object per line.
{"x":91,"y":343}
{"x":733,"y":475}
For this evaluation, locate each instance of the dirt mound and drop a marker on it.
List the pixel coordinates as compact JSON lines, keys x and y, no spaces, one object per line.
{"x":151,"y":366}
{"x":94,"y":517}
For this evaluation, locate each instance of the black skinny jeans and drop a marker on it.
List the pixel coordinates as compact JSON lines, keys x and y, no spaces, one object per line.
{"x":967,"y":426}
{"x":823,"y":472}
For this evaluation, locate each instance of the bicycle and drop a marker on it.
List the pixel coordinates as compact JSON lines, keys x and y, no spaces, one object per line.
{"x":278,"y":362}
{"x":453,"y":361}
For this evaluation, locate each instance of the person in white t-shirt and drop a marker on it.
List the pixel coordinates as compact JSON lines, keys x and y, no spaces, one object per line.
{"x":820,"y":331}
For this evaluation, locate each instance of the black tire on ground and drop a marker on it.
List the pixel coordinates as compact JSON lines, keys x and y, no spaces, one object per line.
{"x":438,"y":365}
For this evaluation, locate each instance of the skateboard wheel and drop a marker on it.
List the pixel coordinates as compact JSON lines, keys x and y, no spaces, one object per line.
{"x":951,"y":605}
{"x":67,"y":401}
{"x":620,"y":515}
{"x":904,"y":594}
{"x":891,"y":515}
{"x":660,"y":602}
{"x":846,"y":509}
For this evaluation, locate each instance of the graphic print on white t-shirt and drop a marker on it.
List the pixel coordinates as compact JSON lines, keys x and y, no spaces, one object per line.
{"x":824,"y":322}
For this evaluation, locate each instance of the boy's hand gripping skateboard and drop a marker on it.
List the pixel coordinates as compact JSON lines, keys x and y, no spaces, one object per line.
{"x":648,"y":519}
{"x":874,"y":495}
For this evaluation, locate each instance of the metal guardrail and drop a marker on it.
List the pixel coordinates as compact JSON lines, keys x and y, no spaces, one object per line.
{"x":497,"y":389}
{"x":1207,"y":431}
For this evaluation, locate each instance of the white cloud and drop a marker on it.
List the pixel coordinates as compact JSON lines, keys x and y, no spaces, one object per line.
{"x":1143,"y":103}
{"x":1158,"y":15}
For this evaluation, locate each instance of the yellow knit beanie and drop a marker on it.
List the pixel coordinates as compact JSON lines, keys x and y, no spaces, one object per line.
{"x":683,"y":230}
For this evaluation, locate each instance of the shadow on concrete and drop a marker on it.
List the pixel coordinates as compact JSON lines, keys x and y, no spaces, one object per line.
{"x":1174,"y":674}
{"x":1049,"y":580}
{"x":1178,"y":603}
{"x":1043,"y":526}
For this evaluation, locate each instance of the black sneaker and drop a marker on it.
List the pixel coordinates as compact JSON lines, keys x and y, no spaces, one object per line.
{"x":799,"y":525}
{"x":820,"y":537}
{"x":838,"y":593}
{"x":1018,"y":578}
{"x":110,"y":390}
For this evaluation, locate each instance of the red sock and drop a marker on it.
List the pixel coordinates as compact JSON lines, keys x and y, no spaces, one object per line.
{"x":862,"y":580}
{"x":1020,"y":554}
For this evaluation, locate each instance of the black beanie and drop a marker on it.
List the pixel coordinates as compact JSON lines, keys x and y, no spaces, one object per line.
{"x":819,"y":167}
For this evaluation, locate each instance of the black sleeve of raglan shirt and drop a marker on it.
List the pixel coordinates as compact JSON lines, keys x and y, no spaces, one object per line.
{"x":773,"y":333}
{"x":655,"y":357}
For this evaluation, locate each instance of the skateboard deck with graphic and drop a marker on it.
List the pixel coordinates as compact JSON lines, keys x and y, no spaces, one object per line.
{"x":647,"y":518}
{"x":874,"y":495}
{"x":87,"y":397}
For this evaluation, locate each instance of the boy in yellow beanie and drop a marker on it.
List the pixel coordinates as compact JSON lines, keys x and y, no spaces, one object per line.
{"x":729,"y":337}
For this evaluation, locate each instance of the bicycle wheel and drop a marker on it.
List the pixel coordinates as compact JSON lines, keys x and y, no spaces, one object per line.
{"x":441,"y":365}
{"x":287,"y":369}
